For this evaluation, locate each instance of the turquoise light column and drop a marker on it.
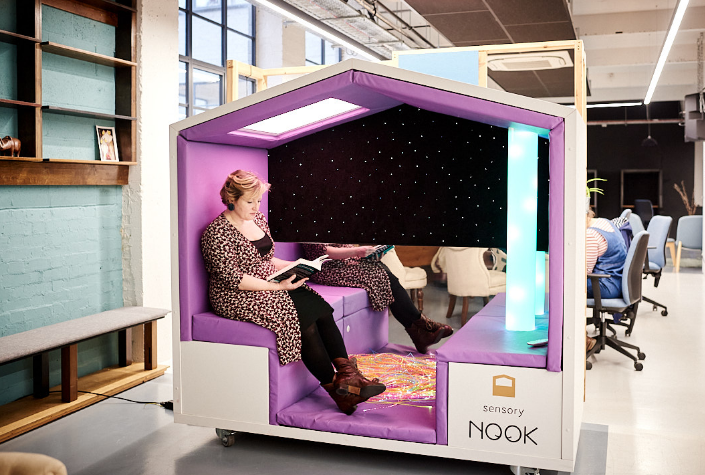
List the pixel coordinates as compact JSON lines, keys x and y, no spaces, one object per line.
{"x":540,"y":301}
{"x":522,"y":202}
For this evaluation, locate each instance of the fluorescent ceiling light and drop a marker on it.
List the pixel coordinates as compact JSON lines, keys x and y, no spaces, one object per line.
{"x":670,"y":37}
{"x":613,"y":104}
{"x":301,"y":117}
{"x":318,"y":30}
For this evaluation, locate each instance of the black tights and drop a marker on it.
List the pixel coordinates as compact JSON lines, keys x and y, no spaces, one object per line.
{"x":321,"y":343}
{"x":403,"y":308}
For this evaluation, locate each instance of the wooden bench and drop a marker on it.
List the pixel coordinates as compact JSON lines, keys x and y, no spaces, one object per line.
{"x":66,"y":335}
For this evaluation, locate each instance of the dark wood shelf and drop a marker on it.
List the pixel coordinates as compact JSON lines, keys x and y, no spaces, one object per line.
{"x":15,"y":104}
{"x":28,"y":171}
{"x":15,"y":38}
{"x":63,"y":160}
{"x":75,"y":53}
{"x":82,"y":113}
{"x":108,"y":5}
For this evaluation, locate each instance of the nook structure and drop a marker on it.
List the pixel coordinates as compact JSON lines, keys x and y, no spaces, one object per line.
{"x":498,"y":399}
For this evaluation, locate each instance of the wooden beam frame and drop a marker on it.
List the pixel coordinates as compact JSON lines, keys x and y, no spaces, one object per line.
{"x":237,"y":68}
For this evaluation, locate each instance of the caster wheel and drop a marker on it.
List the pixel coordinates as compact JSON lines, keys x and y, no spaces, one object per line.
{"x":638,"y":366}
{"x":627,"y":333}
{"x":664,"y":312}
{"x":655,"y":308}
{"x":597,"y":351}
{"x":588,"y":365}
{"x":227,"y":437}
{"x":641,"y":356}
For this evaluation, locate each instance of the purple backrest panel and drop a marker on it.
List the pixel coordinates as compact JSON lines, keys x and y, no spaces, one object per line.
{"x":202,"y":169}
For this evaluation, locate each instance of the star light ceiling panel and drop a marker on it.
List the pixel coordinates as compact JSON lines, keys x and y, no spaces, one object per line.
{"x":405,"y":176}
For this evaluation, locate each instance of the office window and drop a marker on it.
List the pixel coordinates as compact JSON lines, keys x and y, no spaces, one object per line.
{"x":210,"y":33}
{"x":320,"y":51}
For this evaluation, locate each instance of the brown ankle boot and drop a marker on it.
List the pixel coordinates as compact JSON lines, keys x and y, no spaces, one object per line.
{"x":349,"y":387}
{"x":424,"y":332}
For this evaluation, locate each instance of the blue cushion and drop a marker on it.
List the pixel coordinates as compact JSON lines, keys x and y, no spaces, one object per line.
{"x":609,"y":303}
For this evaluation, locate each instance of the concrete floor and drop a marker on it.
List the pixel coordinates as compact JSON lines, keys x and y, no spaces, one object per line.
{"x":647,"y":422}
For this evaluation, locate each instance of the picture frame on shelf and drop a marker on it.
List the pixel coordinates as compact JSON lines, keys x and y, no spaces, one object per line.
{"x":107,"y":144}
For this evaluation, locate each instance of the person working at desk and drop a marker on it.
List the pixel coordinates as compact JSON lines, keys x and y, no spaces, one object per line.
{"x":238,"y":251}
{"x":349,"y":269}
{"x":605,"y":253}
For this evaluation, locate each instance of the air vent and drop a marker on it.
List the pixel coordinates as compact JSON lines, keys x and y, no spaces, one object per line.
{"x":529,"y":61}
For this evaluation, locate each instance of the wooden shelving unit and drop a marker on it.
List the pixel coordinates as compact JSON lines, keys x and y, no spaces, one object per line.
{"x":33,"y":168}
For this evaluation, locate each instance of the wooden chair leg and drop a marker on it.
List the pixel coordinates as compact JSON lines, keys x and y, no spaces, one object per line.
{"x":414,"y":296}
{"x":672,"y":251}
{"x":125,"y":347}
{"x":40,"y":374}
{"x":419,"y":298}
{"x":464,"y":315}
{"x":150,"y":345}
{"x":485,"y":300}
{"x":451,"y":306}
{"x":69,"y":373}
{"x":677,"y":263}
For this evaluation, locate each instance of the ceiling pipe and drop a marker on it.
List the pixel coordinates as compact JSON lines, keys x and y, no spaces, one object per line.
{"x":373,"y":10}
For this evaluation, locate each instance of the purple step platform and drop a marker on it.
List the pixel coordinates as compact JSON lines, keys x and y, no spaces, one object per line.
{"x":317,"y":411}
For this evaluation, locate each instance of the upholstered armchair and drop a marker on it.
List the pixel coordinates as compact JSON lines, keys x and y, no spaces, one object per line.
{"x":467,"y":276}
{"x":412,"y":279}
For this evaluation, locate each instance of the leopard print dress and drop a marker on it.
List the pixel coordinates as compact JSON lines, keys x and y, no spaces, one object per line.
{"x":352,"y":272}
{"x":229,"y":255}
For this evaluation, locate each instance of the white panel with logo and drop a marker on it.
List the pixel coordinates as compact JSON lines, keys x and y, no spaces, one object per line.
{"x":504,"y":409}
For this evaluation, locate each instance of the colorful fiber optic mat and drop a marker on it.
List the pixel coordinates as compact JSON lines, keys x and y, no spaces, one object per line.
{"x":405,"y":411}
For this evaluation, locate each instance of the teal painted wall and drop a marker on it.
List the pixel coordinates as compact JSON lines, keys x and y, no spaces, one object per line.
{"x":60,"y":259}
{"x":60,"y":246}
{"x":75,"y":84}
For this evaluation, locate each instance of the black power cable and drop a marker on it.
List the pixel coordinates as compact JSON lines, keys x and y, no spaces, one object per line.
{"x":165,"y":404}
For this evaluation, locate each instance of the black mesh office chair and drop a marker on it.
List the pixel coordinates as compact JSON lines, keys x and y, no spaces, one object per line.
{"x":627,"y":303}
{"x":645,"y":210}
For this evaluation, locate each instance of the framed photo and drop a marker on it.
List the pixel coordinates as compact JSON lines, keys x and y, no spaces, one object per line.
{"x":107,"y":144}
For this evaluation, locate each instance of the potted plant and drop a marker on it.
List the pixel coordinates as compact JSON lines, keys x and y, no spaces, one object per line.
{"x":589,"y":189}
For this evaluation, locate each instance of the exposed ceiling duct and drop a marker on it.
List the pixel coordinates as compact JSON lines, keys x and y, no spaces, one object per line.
{"x":373,"y":24}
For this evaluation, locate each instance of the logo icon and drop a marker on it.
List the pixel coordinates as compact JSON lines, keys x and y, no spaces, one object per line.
{"x":503,"y":385}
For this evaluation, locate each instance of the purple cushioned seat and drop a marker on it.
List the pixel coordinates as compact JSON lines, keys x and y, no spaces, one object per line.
{"x":318,"y":412}
{"x":354,"y":299}
{"x":485,"y":340}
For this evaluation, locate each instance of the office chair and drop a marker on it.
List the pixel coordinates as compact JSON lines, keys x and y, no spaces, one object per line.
{"x":658,"y":234}
{"x":689,"y":235}
{"x":645,"y":210}
{"x":637,"y":225}
{"x":626,"y":303}
{"x":626,"y":214}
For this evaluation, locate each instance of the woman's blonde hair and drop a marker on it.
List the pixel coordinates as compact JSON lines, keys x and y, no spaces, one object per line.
{"x":241,"y":182}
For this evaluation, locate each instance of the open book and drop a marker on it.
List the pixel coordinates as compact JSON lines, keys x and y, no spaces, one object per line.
{"x":377,"y":252}
{"x":302,"y":269}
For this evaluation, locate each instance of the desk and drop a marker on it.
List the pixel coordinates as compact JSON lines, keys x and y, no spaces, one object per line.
{"x":415,"y":256}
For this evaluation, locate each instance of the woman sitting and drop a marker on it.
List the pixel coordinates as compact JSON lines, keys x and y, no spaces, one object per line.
{"x":238,"y":252}
{"x":349,"y":269}
{"x":605,"y":253}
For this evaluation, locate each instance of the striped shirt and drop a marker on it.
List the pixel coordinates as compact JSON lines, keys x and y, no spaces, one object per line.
{"x":595,"y":243}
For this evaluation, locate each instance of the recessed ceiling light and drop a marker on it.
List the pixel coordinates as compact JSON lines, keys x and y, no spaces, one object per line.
{"x":301,"y":117}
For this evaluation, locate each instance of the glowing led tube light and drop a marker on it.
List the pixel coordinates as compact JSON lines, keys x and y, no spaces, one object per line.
{"x":522,"y":202}
{"x":670,"y":37}
{"x":540,"y":299}
{"x":320,"y":31}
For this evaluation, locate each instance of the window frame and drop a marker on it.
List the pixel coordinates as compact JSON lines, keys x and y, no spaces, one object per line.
{"x":220,"y":70}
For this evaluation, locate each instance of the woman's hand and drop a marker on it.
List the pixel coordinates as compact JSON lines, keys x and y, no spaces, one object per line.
{"x":362,"y":251}
{"x":289,"y":283}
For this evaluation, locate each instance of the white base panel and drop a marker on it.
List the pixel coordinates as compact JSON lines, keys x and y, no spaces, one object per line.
{"x":213,"y":395}
{"x":504,"y":409}
{"x":225,"y":382}
{"x":381,"y":444}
